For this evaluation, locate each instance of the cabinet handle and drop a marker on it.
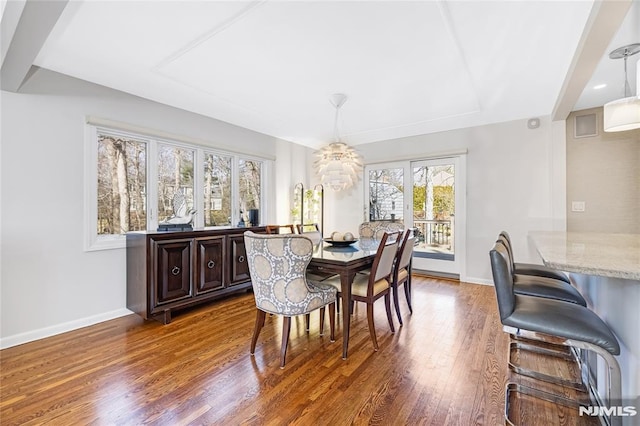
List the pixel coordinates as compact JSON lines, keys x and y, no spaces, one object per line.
{"x":211,"y":264}
{"x":240,"y":259}
{"x":175,"y":270}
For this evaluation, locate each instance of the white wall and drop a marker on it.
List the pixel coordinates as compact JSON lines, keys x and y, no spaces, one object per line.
{"x":48,"y":283}
{"x":514,"y":183}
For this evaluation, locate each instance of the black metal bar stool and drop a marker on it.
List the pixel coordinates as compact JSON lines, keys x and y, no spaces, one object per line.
{"x":544,"y":319}
{"x":538,"y":280}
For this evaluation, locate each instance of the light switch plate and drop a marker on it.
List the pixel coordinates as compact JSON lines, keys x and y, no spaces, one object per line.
{"x":577,"y":206}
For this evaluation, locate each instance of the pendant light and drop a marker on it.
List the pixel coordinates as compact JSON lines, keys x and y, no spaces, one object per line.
{"x":623,"y":114}
{"x":338,"y":165}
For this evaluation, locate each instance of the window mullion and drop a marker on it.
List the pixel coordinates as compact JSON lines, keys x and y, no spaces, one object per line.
{"x":152,"y":187}
{"x":198,"y":187}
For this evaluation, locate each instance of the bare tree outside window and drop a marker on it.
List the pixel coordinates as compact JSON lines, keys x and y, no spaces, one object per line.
{"x":121,"y":185}
{"x":249,"y":173}
{"x":175,"y":175}
{"x":386,"y":197}
{"x":217,"y":190}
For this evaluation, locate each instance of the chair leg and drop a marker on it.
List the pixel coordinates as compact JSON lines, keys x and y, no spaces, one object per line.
{"x":332,"y":320}
{"x":387,"y":305}
{"x":396,"y":303}
{"x":372,"y":327}
{"x":286,"y":327}
{"x":260,"y":316}
{"x":321,"y":321}
{"x":307,"y":319}
{"x":407,"y":293}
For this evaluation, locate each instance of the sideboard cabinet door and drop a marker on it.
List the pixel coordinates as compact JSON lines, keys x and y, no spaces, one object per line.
{"x":210,"y":253}
{"x":172,"y":269}
{"x":238,"y":267}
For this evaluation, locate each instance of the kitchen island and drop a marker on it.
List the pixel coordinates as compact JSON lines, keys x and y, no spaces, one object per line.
{"x":606,"y":270}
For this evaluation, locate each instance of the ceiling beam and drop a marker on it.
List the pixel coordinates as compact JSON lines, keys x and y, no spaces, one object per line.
{"x":604,"y":21}
{"x":36,"y":21}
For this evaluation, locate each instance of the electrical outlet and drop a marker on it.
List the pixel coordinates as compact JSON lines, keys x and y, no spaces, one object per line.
{"x":577,"y":206}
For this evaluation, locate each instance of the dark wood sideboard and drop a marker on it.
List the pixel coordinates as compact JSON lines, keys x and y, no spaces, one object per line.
{"x":168,"y":271}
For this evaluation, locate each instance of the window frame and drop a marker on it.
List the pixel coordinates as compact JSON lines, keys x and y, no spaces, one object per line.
{"x":95,"y":242}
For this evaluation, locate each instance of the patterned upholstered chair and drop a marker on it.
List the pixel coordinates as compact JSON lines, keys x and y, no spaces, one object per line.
{"x":277,"y":265}
{"x":377,"y":228}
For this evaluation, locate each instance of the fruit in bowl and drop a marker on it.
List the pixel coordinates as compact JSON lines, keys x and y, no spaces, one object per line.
{"x":348,"y":236}
{"x":337,"y":236}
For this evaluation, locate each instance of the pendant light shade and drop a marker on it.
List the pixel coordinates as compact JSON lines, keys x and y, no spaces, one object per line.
{"x":623,"y":114}
{"x":338,"y":165}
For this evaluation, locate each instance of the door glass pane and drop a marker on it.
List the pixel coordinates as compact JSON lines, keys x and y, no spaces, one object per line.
{"x":175,"y":181}
{"x":122,"y":164}
{"x":433,"y":210}
{"x":249,"y":174}
{"x":386,"y":198}
{"x":217,"y":190}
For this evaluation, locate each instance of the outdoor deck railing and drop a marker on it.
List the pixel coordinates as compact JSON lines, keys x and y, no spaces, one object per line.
{"x":434,"y":232}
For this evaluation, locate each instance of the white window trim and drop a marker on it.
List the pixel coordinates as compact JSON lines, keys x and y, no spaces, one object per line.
{"x":95,"y":242}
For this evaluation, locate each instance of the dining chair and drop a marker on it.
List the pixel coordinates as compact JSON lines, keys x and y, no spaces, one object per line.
{"x":311,"y":231}
{"x":277,"y":265}
{"x":402,"y":271}
{"x":375,"y":229}
{"x":376,"y":283}
{"x":281,"y":229}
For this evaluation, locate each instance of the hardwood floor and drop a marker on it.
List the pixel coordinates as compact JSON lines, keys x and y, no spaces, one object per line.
{"x":446,"y":365}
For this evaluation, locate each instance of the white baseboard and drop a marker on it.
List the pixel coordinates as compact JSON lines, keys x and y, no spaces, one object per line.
{"x":481,"y":281}
{"x":30,"y":336}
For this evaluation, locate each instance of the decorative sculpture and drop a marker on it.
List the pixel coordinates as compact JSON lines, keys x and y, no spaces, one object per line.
{"x":182,"y":218}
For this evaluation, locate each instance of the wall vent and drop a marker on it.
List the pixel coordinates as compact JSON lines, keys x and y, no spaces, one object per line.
{"x":586,"y":126}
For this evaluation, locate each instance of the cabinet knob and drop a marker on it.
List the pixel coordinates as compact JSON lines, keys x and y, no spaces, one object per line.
{"x":240,"y":259}
{"x":211,"y":264}
{"x":175,"y":270}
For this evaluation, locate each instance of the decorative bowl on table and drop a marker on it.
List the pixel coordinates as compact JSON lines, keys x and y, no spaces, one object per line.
{"x":340,"y":243}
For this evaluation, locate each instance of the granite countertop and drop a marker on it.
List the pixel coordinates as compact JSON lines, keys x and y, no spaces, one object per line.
{"x":607,"y":255}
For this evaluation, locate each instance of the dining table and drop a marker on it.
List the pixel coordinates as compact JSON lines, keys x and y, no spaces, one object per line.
{"x":345,"y":260}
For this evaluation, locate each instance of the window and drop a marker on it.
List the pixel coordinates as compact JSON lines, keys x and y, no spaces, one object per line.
{"x":386,"y":198}
{"x":217,"y":190}
{"x":429,"y":196}
{"x":175,"y":181}
{"x":133,"y":182}
{"x":121,"y":180}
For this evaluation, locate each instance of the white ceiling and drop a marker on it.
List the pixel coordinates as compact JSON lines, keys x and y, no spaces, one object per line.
{"x":408,"y":67}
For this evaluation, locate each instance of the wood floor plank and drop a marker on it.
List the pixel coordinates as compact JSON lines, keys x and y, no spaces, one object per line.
{"x":446,"y":365}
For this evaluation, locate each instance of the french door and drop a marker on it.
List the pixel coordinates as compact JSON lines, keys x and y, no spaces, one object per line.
{"x":428,"y":195}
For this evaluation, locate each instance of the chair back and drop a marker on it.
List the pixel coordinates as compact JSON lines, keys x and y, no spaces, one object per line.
{"x":383,"y":262}
{"x":406,"y":250}
{"x":376,"y":229}
{"x":502,"y":279}
{"x":504,"y":238}
{"x":311,"y":231}
{"x":281,"y":229}
{"x":277,"y":265}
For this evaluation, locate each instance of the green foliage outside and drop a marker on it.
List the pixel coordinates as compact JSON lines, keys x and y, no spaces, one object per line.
{"x":443,"y":201}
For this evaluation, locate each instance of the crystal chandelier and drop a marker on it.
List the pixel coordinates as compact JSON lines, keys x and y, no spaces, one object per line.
{"x":338,"y":165}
